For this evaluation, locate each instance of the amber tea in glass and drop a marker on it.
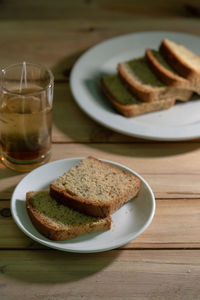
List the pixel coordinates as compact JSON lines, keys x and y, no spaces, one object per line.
{"x":25,"y":116}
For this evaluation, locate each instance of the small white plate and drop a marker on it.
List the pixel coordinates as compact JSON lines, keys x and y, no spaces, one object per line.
{"x":181,"y":122}
{"x":128,"y":222}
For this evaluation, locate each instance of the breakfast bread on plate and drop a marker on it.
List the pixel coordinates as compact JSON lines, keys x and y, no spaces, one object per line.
{"x":145,"y":85}
{"x":184,"y":61}
{"x":166,"y":73}
{"x":95,"y":187}
{"x":59,"y":222}
{"x":126,"y":103}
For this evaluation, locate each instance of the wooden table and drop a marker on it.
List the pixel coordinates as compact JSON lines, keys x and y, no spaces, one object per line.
{"x":162,"y":263}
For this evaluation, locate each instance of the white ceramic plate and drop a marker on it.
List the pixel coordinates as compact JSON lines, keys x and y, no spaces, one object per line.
{"x":128,"y":222}
{"x":181,"y":122}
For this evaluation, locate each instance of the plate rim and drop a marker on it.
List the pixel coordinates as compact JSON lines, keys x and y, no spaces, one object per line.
{"x":183,"y":135}
{"x":55,"y":244}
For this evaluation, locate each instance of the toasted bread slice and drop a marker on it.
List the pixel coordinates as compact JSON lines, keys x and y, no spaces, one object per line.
{"x":95,"y":187}
{"x":184,"y":61}
{"x":166,"y":73}
{"x":58,"y":222}
{"x":145,"y":85}
{"x":127,"y":104}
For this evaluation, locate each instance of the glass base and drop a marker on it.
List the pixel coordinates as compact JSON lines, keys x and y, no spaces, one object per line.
{"x":24,"y":166}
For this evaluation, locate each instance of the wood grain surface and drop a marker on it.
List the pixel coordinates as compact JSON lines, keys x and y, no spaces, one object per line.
{"x":163,"y":262}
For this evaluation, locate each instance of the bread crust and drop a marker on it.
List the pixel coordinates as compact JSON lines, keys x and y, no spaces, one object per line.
{"x":52,"y":232}
{"x":142,"y":92}
{"x":148,"y":94}
{"x":95,"y":209}
{"x":137,"y":109}
{"x":178,"y":63}
{"x":164,"y":74}
{"x":77,"y":203}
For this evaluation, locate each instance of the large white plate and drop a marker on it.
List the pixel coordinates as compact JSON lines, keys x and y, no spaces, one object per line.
{"x":128,"y":222}
{"x":181,"y":122}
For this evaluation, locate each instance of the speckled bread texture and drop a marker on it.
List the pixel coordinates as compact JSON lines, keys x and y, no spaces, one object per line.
{"x":145,"y":85}
{"x":125,"y":103}
{"x":166,"y":73}
{"x":95,"y":187}
{"x":58,"y":222}
{"x":184,"y":61}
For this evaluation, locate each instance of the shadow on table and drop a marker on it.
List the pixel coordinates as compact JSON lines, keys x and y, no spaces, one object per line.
{"x":63,"y":68}
{"x":73,"y":122}
{"x":46,"y":265}
{"x":6,"y":172}
{"x":51,"y":266}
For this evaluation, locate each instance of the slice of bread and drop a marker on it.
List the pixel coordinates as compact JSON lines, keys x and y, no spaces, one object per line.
{"x":166,"y":73}
{"x":95,"y":187}
{"x":58,"y":222}
{"x":184,"y":61}
{"x":127,"y":104}
{"x":145,"y":85}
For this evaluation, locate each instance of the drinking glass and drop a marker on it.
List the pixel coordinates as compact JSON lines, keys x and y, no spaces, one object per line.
{"x":26,"y":102}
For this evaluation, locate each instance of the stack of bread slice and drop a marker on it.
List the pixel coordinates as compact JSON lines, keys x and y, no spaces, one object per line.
{"x":155,"y":81}
{"x":81,"y":200}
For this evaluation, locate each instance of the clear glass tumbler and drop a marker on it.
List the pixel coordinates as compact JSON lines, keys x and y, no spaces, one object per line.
{"x":26,"y":102}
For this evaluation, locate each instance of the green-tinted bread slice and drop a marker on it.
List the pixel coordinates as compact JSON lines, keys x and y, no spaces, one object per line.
{"x":166,"y":73}
{"x":182,"y":59}
{"x":125,"y":102}
{"x":59,"y":222}
{"x":144,"y":84}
